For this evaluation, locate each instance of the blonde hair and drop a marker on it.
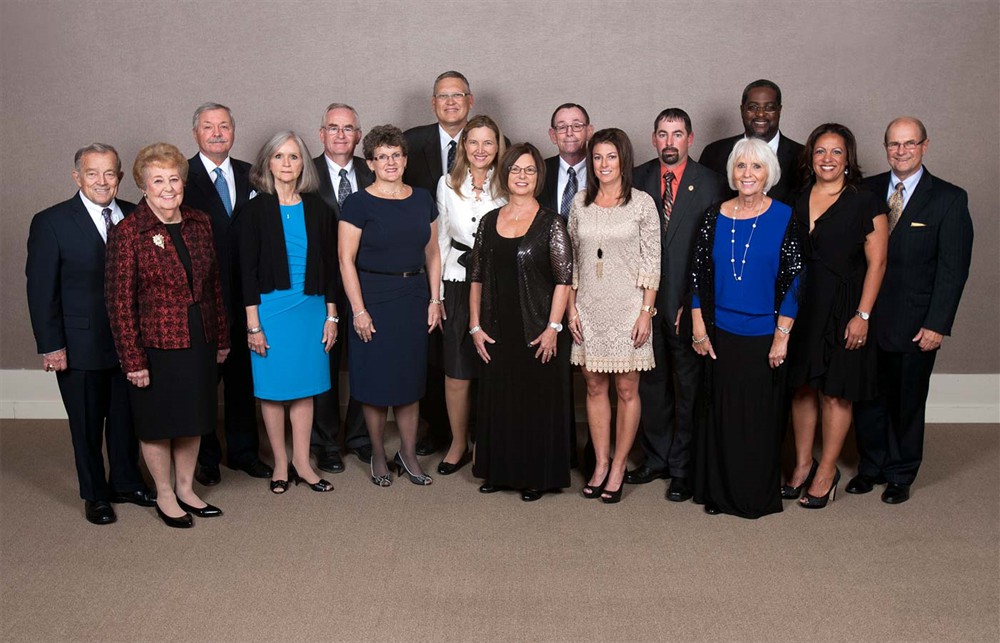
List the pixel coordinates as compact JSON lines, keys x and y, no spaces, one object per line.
{"x":161,"y":154}
{"x":461,"y":166}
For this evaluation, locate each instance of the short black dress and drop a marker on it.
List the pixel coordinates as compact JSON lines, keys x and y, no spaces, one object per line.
{"x":835,"y":266}
{"x":181,"y":400}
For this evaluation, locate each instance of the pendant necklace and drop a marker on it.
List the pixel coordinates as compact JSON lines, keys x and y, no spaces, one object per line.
{"x":600,"y":249}
{"x":746,"y":247}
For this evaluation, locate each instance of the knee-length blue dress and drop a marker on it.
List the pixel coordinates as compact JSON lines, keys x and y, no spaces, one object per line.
{"x":296,"y":365}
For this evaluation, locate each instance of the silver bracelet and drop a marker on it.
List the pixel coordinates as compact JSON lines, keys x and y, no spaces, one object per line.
{"x":784,"y":330}
{"x":333,"y":318}
{"x":360,"y":313}
{"x":254,"y":330}
{"x":699,"y":341}
{"x":475,"y":329}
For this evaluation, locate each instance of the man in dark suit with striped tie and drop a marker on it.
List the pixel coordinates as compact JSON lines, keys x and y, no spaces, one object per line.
{"x":930,"y":249}
{"x":566,"y":173}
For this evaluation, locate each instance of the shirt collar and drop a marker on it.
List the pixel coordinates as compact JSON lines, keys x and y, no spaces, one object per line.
{"x":446,"y":138}
{"x":909,"y":183}
{"x":210,"y":165}
{"x":95,"y":210}
{"x":581,"y":167}
{"x":335,"y":168}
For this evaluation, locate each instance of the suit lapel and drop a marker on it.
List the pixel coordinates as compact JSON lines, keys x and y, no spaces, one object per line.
{"x":198,"y":175}
{"x":87,"y":228}
{"x":432,"y":153}
{"x":921,"y":194}
{"x":242,"y":186}
{"x":685,"y":191}
{"x":364,"y":176}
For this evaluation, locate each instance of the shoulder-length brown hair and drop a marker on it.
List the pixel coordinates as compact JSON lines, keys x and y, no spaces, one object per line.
{"x":514,"y":152}
{"x":260,"y":173}
{"x":623,"y":145}
{"x":461,"y":166}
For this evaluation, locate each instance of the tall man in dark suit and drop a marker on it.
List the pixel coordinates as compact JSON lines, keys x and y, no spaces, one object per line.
{"x":760,"y":108}
{"x":340,"y":174}
{"x":432,"y":150}
{"x":65,"y":271}
{"x":930,"y":249}
{"x":566,"y":173}
{"x":683,"y":191}
{"x":218,"y":185}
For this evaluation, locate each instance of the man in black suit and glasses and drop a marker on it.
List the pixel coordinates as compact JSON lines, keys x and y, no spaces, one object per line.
{"x":65,"y":271}
{"x":930,"y":249}
{"x":218,"y":185}
{"x":340,"y":175}
{"x":760,"y":109}
{"x":683,"y":191}
{"x":566,"y":173}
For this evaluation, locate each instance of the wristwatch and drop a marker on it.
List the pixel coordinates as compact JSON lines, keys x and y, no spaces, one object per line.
{"x":863,"y":315}
{"x":650,"y":310}
{"x":556,"y":326}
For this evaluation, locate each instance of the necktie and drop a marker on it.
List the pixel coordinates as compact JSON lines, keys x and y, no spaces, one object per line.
{"x":223,"y":189}
{"x":895,"y":206}
{"x":106,"y":213}
{"x":451,"y":155}
{"x":344,"y":189}
{"x":668,"y":197}
{"x":568,"y":193}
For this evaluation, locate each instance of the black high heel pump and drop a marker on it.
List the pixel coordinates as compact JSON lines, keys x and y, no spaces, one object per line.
{"x":810,"y":501}
{"x":789,"y":492}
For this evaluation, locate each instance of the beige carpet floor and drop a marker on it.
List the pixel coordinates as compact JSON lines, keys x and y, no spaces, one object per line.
{"x":446,"y":563}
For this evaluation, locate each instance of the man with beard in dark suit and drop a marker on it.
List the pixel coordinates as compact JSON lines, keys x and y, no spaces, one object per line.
{"x":760,"y":108}
{"x":683,"y":191}
{"x":65,"y":271}
{"x":218,"y":185}
{"x":930,"y":249}
{"x":340,"y":175}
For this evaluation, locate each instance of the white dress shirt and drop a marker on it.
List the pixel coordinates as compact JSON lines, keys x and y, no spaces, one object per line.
{"x":227,"y":171}
{"x":446,"y":139}
{"x":458,"y":219}
{"x":909,"y":185}
{"x":581,"y":178}
{"x":335,"y":169}
{"x":94,"y":211}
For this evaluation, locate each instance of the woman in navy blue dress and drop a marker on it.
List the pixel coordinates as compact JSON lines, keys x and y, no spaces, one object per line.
{"x":391,"y":266}
{"x":287,"y":250}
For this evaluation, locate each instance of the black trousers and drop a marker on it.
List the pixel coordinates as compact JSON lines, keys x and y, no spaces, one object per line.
{"x":240,"y":424}
{"x":890,"y":428}
{"x":98,"y":409}
{"x":668,"y":396}
{"x":325,"y":438}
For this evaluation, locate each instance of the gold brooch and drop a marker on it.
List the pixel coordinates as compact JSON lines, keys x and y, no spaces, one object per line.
{"x":158,"y":240}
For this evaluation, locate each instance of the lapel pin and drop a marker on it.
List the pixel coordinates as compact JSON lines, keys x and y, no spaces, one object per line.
{"x":690,"y":188}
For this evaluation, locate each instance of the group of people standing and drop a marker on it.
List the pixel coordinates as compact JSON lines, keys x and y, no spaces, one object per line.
{"x":769,"y":281}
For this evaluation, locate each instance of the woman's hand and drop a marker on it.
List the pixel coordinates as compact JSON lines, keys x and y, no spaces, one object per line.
{"x":435,"y":315}
{"x":779,"y":349}
{"x":139,"y":379}
{"x":221,"y":355}
{"x":364,"y":326}
{"x":575,"y":327}
{"x":258,"y":343}
{"x":329,"y":335}
{"x":480,"y":339}
{"x":641,"y":329}
{"x":856,"y":333}
{"x":546,"y":343}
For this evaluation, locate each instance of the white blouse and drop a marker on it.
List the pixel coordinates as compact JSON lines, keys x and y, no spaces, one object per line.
{"x":458,"y":219}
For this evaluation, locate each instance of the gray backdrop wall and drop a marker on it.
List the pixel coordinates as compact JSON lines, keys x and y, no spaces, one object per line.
{"x":131,"y":72}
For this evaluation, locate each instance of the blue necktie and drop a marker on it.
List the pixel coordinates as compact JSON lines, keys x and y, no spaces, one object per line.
{"x":223,"y":189}
{"x":568,"y":193}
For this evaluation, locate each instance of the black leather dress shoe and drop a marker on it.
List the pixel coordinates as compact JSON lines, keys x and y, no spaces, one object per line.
{"x":330,"y":462}
{"x":207,"y":475}
{"x":644,"y":474}
{"x":364,"y":453}
{"x":208,"y":511}
{"x":253,"y":468}
{"x":429,"y":446}
{"x":680,"y":490}
{"x":486,"y":487}
{"x":530,"y":495}
{"x":862,"y":484}
{"x":712,"y":509}
{"x":896,"y":494}
{"x":100,"y":512}
{"x":142,"y":497}
{"x":448,"y":468}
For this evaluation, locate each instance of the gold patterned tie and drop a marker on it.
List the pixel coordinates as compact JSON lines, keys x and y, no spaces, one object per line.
{"x":895,"y":206}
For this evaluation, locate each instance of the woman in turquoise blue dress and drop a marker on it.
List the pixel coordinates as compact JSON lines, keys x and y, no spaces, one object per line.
{"x":289,"y":269}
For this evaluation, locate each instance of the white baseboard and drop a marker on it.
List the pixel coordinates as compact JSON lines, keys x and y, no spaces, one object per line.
{"x":964,"y":399}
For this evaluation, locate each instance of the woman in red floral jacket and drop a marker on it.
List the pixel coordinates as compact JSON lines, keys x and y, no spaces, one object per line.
{"x":165,"y":303}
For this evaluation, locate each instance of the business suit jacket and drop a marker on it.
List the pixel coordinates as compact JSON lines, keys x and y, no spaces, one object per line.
{"x":715,"y":155}
{"x":327,"y":189}
{"x":699,"y":190}
{"x":930,"y":250}
{"x":200,"y":194}
{"x":550,"y":198}
{"x":65,"y":271}
{"x":423,"y":161}
{"x":147,"y":288}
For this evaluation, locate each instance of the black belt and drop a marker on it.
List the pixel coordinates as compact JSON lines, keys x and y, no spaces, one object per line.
{"x":393,"y":274}
{"x":462,"y":259}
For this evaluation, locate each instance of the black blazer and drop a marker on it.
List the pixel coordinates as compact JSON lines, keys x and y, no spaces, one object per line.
{"x":65,"y":271}
{"x":200,"y":194}
{"x":930,"y":250}
{"x":700,"y":189}
{"x":549,"y":197}
{"x":715,"y":155}
{"x":326,"y":190}
{"x":264,"y":260}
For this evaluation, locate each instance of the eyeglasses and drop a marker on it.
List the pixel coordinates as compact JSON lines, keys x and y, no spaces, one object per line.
{"x":563,"y":128}
{"x":395,"y":156}
{"x":530,"y":170}
{"x":348,"y":130}
{"x":909,"y":146}
{"x":453,"y":96}
{"x":767,"y":108}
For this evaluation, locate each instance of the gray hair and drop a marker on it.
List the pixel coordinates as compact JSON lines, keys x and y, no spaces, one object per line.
{"x":357,"y":119}
{"x":754,"y":149}
{"x":457,"y":75}
{"x":207,"y":107}
{"x":97,"y":148}
{"x":260,"y":173}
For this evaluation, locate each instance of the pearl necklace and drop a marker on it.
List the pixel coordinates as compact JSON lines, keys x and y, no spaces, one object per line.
{"x":746,"y":247}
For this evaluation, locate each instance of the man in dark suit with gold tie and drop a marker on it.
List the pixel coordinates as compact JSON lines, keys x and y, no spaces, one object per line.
{"x":930,"y":250}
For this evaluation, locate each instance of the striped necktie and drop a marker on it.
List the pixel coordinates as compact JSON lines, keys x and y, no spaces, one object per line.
{"x":568,"y":193}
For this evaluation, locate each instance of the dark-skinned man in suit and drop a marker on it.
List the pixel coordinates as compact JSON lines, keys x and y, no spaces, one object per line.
{"x":65,"y":272}
{"x":930,"y":249}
